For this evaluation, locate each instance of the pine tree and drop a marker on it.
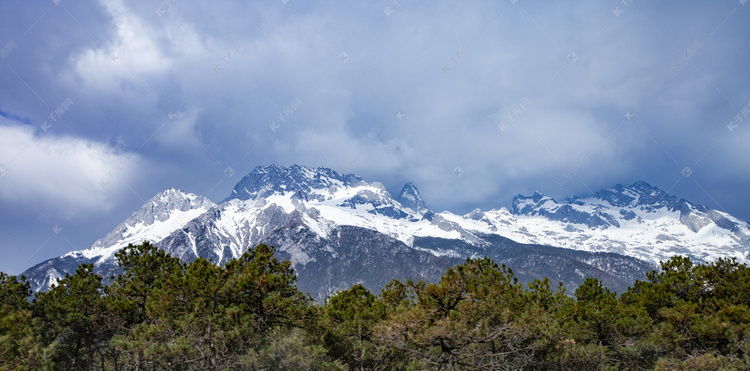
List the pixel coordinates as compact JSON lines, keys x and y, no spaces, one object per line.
{"x":20,"y":340}
{"x":72,"y":320}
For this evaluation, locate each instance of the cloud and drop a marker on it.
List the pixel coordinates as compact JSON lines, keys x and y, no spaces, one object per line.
{"x":59,"y":175}
{"x":394,"y":92}
{"x":136,"y":51}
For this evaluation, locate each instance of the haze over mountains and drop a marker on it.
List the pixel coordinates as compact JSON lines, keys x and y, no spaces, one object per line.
{"x":338,"y":230}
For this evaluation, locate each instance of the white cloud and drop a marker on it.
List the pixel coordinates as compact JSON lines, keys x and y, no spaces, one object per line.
{"x":60,"y":175}
{"x":137,"y":49}
{"x":229,"y":70}
{"x":180,"y":132}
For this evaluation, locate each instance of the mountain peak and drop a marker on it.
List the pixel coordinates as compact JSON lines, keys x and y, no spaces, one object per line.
{"x":172,"y":199}
{"x":639,"y":193}
{"x":155,"y":219}
{"x":264,"y":181}
{"x":524,"y":204}
{"x":409,"y":198}
{"x":641,"y":184}
{"x":172,"y":194}
{"x":317,"y":214}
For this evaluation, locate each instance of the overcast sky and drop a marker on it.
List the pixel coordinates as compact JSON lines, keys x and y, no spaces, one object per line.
{"x":104,"y":104}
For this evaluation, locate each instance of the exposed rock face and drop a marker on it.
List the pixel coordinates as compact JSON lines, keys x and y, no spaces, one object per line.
{"x":410,"y":199}
{"x":652,"y":224}
{"x":338,"y":230}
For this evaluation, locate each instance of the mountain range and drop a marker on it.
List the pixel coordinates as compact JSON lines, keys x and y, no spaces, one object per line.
{"x":339,"y":230}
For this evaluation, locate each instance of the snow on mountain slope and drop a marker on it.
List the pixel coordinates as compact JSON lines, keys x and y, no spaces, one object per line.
{"x":636,"y":220}
{"x":305,"y":210}
{"x":156,"y":219}
{"x":319,"y":199}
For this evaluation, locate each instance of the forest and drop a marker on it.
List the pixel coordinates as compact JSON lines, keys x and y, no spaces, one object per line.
{"x":161,"y":313}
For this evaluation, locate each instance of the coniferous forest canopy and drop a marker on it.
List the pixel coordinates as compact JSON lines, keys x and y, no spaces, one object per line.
{"x":162,"y":313}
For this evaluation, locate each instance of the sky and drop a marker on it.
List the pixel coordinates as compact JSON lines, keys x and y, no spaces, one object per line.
{"x":104,"y":104}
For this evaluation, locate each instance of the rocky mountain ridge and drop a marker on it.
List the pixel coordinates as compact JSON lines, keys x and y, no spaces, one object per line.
{"x":338,"y":230}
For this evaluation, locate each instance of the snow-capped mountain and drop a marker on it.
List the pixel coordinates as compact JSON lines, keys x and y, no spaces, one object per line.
{"x":410,"y":199}
{"x":638,"y":220}
{"x":156,"y":219}
{"x":338,"y":230}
